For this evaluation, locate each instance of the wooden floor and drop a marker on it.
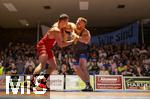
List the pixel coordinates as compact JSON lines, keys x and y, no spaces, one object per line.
{"x":80,"y":95}
{"x":101,"y":93}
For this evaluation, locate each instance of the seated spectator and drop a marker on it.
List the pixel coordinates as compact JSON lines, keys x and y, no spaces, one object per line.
{"x":120,"y":68}
{"x":94,"y":69}
{"x":146,"y":70}
{"x":117,"y":59}
{"x":104,"y":71}
{"x":20,"y":66}
{"x":102,"y":53}
{"x":127,"y":71}
{"x":138,"y":69}
{"x":55,"y":72}
{"x":101,"y":62}
{"x":143,"y":50}
{"x":1,"y":69}
{"x":93,"y":53}
{"x":106,"y":64}
{"x":63,"y":69}
{"x":13,"y":70}
{"x":29,"y":70}
{"x":29,"y":62}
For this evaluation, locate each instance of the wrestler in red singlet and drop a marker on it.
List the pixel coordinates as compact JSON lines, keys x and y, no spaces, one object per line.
{"x":45,"y":45}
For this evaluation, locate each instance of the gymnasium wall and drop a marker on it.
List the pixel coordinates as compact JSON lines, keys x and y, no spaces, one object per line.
{"x":28,"y":36}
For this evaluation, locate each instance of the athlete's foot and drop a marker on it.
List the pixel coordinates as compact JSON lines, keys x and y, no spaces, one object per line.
{"x":87,"y":88}
{"x":48,"y":89}
{"x":41,"y":87}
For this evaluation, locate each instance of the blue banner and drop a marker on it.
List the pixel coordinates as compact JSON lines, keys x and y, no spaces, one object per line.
{"x":126,"y":35}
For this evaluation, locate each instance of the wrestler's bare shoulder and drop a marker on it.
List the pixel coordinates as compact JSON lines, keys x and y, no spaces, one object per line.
{"x":54,"y":29}
{"x":86,"y":31}
{"x":73,"y":25}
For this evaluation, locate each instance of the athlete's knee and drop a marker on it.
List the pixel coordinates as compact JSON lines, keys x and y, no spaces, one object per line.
{"x":43,"y":58}
{"x":42,"y":64}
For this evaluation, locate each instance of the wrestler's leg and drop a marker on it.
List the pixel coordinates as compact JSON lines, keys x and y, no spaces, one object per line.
{"x":79,"y":72}
{"x":83,"y":66}
{"x":52,"y":65}
{"x":42,"y":62}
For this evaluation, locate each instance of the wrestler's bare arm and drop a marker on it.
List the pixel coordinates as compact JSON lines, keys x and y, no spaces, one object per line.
{"x":59,"y":38}
{"x":86,"y":37}
{"x":57,"y":35}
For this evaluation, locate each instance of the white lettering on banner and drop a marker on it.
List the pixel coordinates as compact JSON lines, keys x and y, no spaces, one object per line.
{"x":138,"y":84}
{"x":109,"y":79}
{"x":16,"y":82}
{"x":126,"y":35}
{"x":37,"y":84}
{"x":108,"y":82}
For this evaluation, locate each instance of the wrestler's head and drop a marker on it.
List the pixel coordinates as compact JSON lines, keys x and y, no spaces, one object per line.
{"x":81,"y":23}
{"x":69,"y":28}
{"x":63,"y":20}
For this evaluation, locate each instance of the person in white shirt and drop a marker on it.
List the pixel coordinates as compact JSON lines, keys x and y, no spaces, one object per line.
{"x":30,"y":62}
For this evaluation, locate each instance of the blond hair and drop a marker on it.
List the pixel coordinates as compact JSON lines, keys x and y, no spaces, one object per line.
{"x":82,"y":19}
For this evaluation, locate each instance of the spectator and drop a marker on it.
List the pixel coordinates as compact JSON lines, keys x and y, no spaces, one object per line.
{"x":117,"y":59}
{"x":13,"y":70}
{"x":102,"y":53}
{"x":29,"y":70}
{"x":120,"y":68}
{"x":94,"y":68}
{"x":29,"y":62}
{"x":143,"y":50}
{"x":1,"y":69}
{"x":138,"y":69}
{"x":104,"y":71}
{"x":113,"y":65}
{"x":94,"y":53}
{"x":128,"y":71}
{"x":55,"y":72}
{"x":146,"y":70}
{"x":64,"y":69}
{"x":20,"y":66}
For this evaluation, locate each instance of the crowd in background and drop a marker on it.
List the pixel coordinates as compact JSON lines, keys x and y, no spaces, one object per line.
{"x":127,"y":60}
{"x":18,"y":58}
